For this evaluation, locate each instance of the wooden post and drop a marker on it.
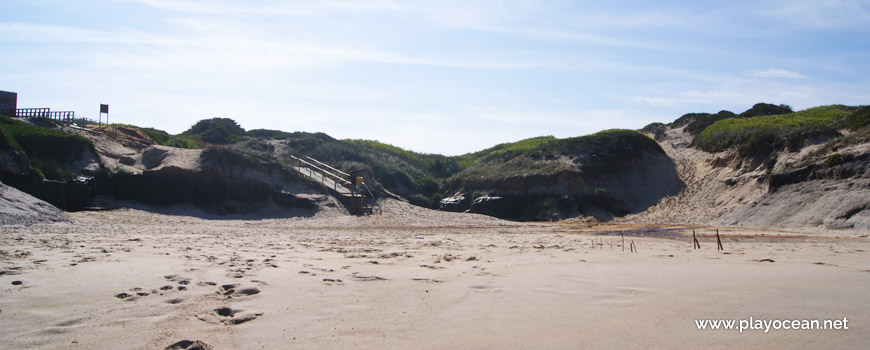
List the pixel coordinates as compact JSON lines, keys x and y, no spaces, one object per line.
{"x":623,"y":241}
{"x":719,"y":241}
{"x":695,"y":244}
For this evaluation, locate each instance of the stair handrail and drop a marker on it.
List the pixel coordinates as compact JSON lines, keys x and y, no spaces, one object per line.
{"x":322,"y":171}
{"x":327,"y":166}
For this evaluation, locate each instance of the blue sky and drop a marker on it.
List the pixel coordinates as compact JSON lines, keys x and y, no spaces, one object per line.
{"x":445,"y":76}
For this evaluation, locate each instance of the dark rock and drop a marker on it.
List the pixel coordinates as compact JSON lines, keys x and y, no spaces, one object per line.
{"x":70,"y":195}
{"x":457,"y":203}
{"x":499,"y":207}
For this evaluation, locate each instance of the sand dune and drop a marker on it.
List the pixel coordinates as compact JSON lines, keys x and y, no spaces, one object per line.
{"x":414,"y":278}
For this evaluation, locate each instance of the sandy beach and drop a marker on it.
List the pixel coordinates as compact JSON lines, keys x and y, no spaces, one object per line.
{"x":416,"y":278}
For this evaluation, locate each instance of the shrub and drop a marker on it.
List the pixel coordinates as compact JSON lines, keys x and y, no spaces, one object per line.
{"x":48,"y":150}
{"x":657,"y":129}
{"x":762,"y":109}
{"x":761,"y":142}
{"x":745,"y":133}
{"x":435,"y":200}
{"x":269,"y":134}
{"x":219,"y":131}
{"x":537,"y":156}
{"x":419,"y":200}
{"x":858,"y":119}
{"x":838,"y":159}
{"x":532,"y":212}
{"x":702,"y":121}
{"x":165,"y":139}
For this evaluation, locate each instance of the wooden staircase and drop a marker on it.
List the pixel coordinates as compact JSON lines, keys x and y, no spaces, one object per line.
{"x":358,"y":199}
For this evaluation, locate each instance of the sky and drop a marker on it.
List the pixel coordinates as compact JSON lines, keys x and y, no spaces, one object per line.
{"x":442,"y":76}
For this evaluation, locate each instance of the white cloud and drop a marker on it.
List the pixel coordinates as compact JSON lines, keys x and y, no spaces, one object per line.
{"x":776,"y":73}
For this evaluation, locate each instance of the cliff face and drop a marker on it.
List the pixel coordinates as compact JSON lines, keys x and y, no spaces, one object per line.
{"x":811,"y":179}
{"x":798,"y":169}
{"x":220,"y":180}
{"x":832,"y":195}
{"x":611,"y":174}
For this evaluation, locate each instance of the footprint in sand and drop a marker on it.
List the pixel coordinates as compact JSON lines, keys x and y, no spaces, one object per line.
{"x":125,"y":296}
{"x":229,"y":316}
{"x":234,"y":290}
{"x":189,"y":345}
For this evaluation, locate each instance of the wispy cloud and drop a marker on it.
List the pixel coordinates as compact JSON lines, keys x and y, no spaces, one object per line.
{"x":48,"y":33}
{"x":776,"y":73}
{"x":208,"y":46}
{"x":820,"y":14}
{"x":271,"y":8}
{"x":488,"y":70}
{"x":225,"y":8}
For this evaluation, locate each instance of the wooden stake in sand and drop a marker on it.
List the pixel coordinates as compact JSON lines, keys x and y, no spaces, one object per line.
{"x":623,"y":241}
{"x":695,"y":244}
{"x":719,"y":241}
{"x":633,"y":247}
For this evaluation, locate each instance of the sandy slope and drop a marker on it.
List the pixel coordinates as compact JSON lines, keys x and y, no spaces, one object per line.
{"x":720,"y":190}
{"x":19,"y":208}
{"x":414,"y":278}
{"x":711,"y":191}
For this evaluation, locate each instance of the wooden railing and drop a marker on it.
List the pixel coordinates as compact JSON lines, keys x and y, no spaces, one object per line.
{"x":32,"y":112}
{"x":360,"y":202}
{"x":323,"y":176}
{"x":66,"y":116}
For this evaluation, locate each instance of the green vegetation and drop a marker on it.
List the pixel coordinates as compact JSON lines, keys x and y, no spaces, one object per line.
{"x":269,"y":134}
{"x":165,"y":139}
{"x":657,"y":129}
{"x":762,"y":109}
{"x":538,"y":155}
{"x":434,"y":165}
{"x":837,"y":159}
{"x":859,"y":119}
{"x":404,"y":172}
{"x":504,"y":150}
{"x":697,"y":122}
{"x":219,"y":131}
{"x":420,"y":177}
{"x":215,"y":131}
{"x":760,"y":135}
{"x":47,"y":150}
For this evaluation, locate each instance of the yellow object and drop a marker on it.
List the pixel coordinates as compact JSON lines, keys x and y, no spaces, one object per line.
{"x":359,"y":180}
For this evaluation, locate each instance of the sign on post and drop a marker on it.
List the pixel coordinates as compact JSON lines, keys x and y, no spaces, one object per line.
{"x":104,"y":108}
